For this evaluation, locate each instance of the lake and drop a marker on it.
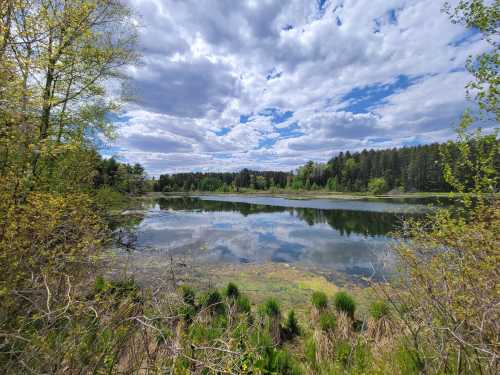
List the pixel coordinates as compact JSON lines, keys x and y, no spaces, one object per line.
{"x":331,"y":236}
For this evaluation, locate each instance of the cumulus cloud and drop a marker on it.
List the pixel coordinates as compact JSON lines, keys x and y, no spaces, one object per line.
{"x":271,"y":84}
{"x":185,"y":88}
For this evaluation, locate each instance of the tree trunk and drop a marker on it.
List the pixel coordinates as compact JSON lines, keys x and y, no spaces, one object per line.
{"x":47,"y":94}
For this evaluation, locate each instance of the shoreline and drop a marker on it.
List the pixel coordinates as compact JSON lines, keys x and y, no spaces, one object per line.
{"x":303,"y":195}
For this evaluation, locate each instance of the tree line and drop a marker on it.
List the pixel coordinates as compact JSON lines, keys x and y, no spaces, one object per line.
{"x":407,"y":169}
{"x":122,"y":177}
{"x":222,"y":181}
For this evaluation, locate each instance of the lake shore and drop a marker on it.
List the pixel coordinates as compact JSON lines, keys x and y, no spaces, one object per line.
{"x":304,"y":194}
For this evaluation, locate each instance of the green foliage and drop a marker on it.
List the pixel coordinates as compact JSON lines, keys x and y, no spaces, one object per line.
{"x":343,"y":353}
{"x":109,"y":198}
{"x":291,"y":327}
{"x":188,"y":295}
{"x":333,"y":184}
{"x":343,"y":302}
{"x":119,"y":177}
{"x":284,"y":363}
{"x":310,"y":351}
{"x":210,"y":184}
{"x":272,"y":308}
{"x":327,"y":321}
{"x":297,"y":184}
{"x":377,"y":185}
{"x":274,"y":361}
{"x":243,"y":304}
{"x":408,"y":360}
{"x":418,"y":168}
{"x":212,"y":301}
{"x":379,"y":309}
{"x":482,"y":16}
{"x":319,"y":300}
{"x":232,"y":291}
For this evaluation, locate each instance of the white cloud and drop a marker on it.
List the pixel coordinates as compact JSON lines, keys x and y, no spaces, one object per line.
{"x":208,"y":63}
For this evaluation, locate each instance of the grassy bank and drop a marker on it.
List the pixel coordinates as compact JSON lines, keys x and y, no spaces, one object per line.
{"x":308,"y":194}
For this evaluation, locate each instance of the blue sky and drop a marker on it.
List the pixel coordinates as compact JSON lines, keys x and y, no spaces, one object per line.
{"x":271,"y":84}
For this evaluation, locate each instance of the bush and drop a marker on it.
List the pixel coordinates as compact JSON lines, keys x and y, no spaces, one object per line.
{"x":319,"y":300}
{"x":379,"y":309}
{"x":344,"y":303}
{"x":377,"y":185}
{"x":108,"y":198}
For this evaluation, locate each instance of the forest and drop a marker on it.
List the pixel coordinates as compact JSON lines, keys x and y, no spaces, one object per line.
{"x":407,"y":169}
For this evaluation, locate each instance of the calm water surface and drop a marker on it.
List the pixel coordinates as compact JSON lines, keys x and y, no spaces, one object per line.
{"x":347,"y":236}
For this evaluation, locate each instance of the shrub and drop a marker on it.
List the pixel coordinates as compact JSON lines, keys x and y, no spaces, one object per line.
{"x":319,"y":300}
{"x":327,"y":321}
{"x":109,"y":199}
{"x":377,"y":185}
{"x":232,"y":291}
{"x":379,"y":309}
{"x":344,"y":303}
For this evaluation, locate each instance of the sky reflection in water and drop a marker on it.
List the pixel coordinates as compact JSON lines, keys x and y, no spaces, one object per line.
{"x":351,"y":239}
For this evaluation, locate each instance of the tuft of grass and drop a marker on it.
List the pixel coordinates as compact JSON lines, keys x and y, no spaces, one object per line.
{"x":310,"y":352}
{"x":327,"y":321}
{"x":212,"y":300}
{"x":292,"y":328}
{"x":188,"y":294}
{"x":319,"y":300}
{"x":232,"y":291}
{"x":243,"y":304}
{"x":344,"y":303}
{"x":272,"y":308}
{"x":379,"y":309}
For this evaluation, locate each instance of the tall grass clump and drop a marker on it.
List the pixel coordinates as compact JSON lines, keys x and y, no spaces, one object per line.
{"x":232,"y":291}
{"x":327,"y":321}
{"x":291,"y":328}
{"x":272,"y":311}
{"x":319,"y":301}
{"x":379,"y":310}
{"x":343,"y":302}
